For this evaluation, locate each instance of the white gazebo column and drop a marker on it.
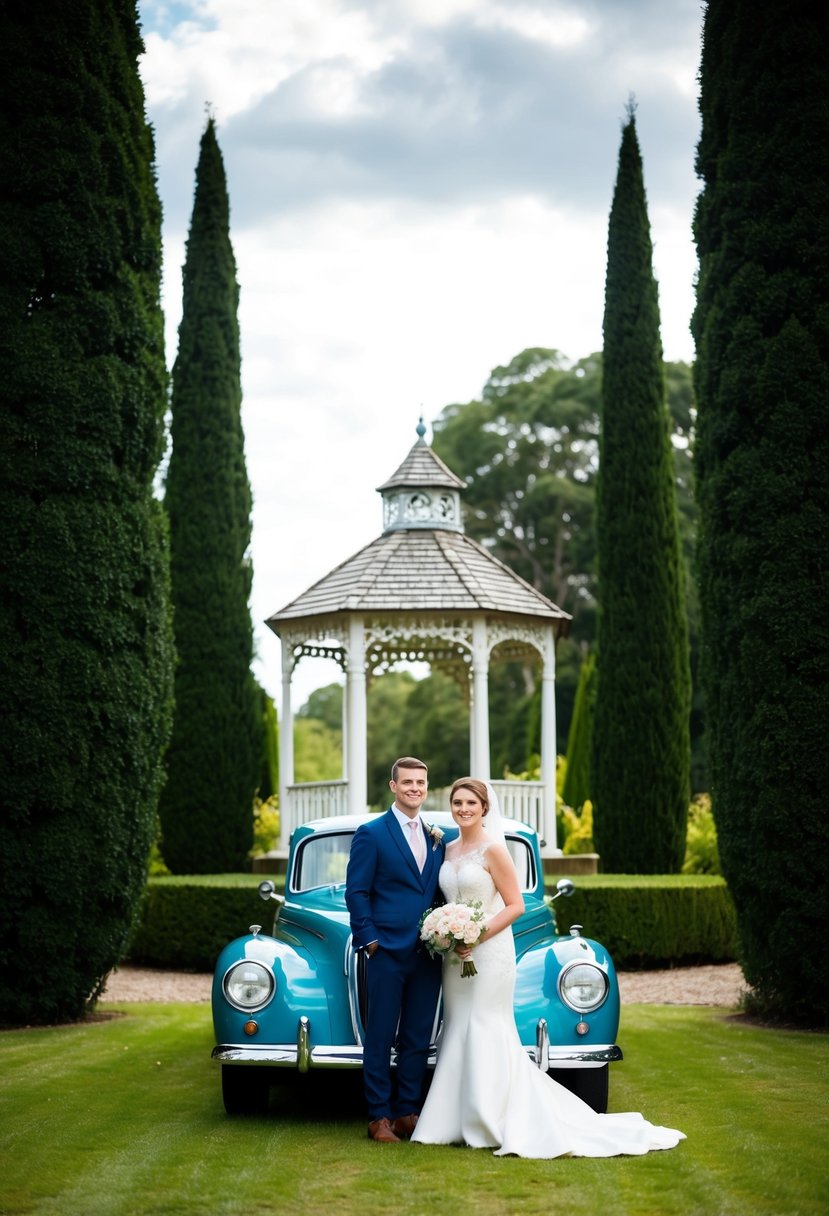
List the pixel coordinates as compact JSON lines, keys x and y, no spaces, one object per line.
{"x":548,"y":742}
{"x":356,"y":729}
{"x":286,"y":742}
{"x":344,"y":717}
{"x":479,"y":717}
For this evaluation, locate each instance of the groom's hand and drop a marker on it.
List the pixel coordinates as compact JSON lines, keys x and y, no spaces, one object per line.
{"x":371,"y":948}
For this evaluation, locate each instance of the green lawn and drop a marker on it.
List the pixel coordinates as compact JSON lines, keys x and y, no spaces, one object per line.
{"x":124,"y":1116}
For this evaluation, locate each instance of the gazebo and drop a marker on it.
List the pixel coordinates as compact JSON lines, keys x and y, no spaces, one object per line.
{"x":422,"y":591}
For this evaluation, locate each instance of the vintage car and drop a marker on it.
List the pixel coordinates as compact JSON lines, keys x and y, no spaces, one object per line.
{"x":294,"y":999}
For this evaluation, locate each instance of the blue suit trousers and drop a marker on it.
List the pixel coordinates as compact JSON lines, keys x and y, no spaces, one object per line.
{"x":403,"y":988}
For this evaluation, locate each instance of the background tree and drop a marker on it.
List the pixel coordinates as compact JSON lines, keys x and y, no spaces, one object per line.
{"x":318,"y":736}
{"x":318,"y":751}
{"x":325,"y":705}
{"x":640,"y":758}
{"x":436,"y":727}
{"x":269,"y":760}
{"x":405,"y":716}
{"x":215,"y":751}
{"x":386,"y":702}
{"x":762,"y":332}
{"x":528,"y":450}
{"x":576,"y":787}
{"x":86,"y":651}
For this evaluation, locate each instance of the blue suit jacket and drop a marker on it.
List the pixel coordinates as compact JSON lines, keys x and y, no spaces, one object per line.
{"x":385,"y":892}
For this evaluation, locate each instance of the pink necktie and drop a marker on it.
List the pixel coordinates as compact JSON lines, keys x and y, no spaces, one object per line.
{"x":417,"y":842}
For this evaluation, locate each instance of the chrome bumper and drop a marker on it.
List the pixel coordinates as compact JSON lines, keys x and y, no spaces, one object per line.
{"x":546,"y":1055}
{"x":299,"y":1055}
{"x":303,"y":1057}
{"x":285,"y":1055}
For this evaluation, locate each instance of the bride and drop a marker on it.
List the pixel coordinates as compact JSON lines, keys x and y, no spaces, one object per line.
{"x":486,"y":1092}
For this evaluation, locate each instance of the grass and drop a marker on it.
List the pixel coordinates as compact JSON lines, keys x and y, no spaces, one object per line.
{"x":123,"y":1117}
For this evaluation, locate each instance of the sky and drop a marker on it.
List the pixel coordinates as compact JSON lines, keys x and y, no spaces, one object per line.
{"x":419,"y":190}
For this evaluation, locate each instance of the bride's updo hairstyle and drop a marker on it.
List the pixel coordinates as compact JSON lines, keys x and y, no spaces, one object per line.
{"x":475,"y":787}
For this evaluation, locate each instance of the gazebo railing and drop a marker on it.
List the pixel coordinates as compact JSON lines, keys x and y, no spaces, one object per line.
{"x":523,"y":800}
{"x":312,"y":800}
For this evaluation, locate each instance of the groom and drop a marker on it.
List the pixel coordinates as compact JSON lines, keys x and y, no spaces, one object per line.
{"x":392,"y":879}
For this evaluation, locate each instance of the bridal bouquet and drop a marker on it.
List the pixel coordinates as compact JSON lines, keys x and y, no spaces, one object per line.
{"x":444,"y":928}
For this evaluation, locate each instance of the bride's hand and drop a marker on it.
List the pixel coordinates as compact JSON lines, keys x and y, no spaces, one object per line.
{"x":463,"y":952}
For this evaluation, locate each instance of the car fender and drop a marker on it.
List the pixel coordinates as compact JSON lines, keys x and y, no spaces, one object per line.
{"x":537,"y":996}
{"x":302,"y":989}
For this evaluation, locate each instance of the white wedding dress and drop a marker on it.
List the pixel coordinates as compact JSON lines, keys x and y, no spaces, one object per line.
{"x":486,"y":1092}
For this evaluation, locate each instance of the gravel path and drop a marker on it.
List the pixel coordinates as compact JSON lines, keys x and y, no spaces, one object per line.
{"x":719,"y":984}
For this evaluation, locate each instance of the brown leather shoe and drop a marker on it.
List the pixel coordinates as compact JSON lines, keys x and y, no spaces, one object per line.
{"x":404,"y":1125}
{"x":381,"y":1130}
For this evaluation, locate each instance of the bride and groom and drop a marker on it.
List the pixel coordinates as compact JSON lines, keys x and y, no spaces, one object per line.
{"x":485,"y":1091}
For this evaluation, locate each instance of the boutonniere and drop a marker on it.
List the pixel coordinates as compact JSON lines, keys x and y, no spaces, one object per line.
{"x":436,"y":834}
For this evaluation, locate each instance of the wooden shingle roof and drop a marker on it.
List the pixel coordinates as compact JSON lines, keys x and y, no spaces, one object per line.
{"x":423,"y":467}
{"x":423,"y":562}
{"x":421,"y":571}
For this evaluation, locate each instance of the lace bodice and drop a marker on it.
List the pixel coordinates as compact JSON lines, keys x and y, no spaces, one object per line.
{"x":467,"y":879}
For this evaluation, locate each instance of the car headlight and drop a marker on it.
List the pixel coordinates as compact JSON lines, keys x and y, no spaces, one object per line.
{"x":248,"y":985}
{"x":583,"y":987}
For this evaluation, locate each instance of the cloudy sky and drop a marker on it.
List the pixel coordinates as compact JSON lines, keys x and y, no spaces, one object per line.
{"x":419,"y":190}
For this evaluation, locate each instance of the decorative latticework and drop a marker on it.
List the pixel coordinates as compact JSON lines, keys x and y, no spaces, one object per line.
{"x":422,"y":592}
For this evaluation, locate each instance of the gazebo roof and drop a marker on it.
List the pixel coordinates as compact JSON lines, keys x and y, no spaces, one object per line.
{"x":423,"y":467}
{"x":423,"y":562}
{"x":421,"y":571}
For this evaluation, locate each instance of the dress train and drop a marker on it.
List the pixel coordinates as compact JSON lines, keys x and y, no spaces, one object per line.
{"x":486,"y":1092}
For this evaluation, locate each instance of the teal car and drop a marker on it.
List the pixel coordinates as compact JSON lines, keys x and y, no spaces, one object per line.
{"x":293,"y":999}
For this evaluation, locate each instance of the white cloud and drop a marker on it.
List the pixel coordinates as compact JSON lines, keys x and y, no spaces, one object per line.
{"x":557,"y":24}
{"x":233,"y":52}
{"x":419,"y":190}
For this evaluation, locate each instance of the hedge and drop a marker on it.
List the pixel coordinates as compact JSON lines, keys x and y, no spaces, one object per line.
{"x":656,"y":919}
{"x":185,"y":921}
{"x":643,"y":921}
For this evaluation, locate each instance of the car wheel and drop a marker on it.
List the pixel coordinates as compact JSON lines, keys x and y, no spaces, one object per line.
{"x":245,"y":1091}
{"x":589,"y":1084}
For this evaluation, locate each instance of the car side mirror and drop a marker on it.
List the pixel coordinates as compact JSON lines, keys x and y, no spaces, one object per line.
{"x":564,"y":887}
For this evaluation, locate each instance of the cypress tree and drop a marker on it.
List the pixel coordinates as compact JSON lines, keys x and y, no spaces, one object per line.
{"x":85,"y":643}
{"x":216,"y":748}
{"x":269,"y":760}
{"x":576,"y":788}
{"x":762,"y":331}
{"x":640,"y":759}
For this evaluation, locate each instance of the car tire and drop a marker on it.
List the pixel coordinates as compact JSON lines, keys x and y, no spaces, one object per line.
{"x":245,"y":1091}
{"x":589,"y":1084}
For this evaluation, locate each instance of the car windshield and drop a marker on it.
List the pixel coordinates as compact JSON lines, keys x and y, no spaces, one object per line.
{"x":322,"y":860}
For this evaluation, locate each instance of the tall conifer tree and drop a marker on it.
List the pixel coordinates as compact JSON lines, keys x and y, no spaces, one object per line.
{"x":762,"y":332}
{"x":215,"y":752}
{"x":576,"y":788}
{"x":640,"y":758}
{"x":85,"y":644}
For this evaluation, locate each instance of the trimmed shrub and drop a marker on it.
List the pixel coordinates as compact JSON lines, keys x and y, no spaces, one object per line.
{"x":185,"y":921}
{"x":654,"y":920}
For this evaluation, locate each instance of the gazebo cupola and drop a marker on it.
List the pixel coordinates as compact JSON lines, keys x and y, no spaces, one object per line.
{"x":423,"y":493}
{"x":422,"y":591}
